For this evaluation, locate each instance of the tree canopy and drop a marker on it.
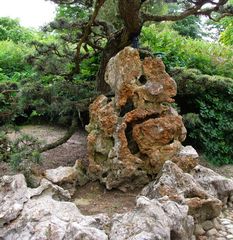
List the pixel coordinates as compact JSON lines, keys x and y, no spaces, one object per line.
{"x":109,"y":35}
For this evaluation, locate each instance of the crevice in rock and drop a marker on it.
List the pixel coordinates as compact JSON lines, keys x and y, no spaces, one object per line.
{"x":128,"y":107}
{"x":174,"y":236}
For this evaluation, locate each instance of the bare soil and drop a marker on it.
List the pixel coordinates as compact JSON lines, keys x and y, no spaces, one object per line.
{"x":93,"y":197}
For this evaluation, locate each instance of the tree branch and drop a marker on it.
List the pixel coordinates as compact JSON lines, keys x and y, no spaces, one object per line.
{"x":196,"y":9}
{"x":86,"y":33}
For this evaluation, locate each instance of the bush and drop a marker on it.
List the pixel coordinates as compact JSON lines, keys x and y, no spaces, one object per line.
{"x":178,"y":51}
{"x":56,"y":101}
{"x":206,"y":102}
{"x":8,"y":102}
{"x":12,"y":58}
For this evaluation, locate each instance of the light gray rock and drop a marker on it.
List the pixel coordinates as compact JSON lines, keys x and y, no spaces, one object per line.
{"x":212,"y":232}
{"x":153,"y":220}
{"x":199,"y":230}
{"x":213,"y":183}
{"x":183,"y":188}
{"x":35,"y":214}
{"x":217,"y":225}
{"x":207,"y":225}
{"x":61,"y":175}
{"x":11,"y":204}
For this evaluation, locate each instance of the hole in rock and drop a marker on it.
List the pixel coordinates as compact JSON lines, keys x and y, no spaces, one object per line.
{"x":175,"y":236}
{"x":104,"y":175}
{"x":132,"y":145}
{"x":128,"y":107}
{"x":142,"y":79}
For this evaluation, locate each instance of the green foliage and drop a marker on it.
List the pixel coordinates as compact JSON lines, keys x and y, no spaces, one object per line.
{"x":10,"y":29}
{"x":8,"y":102}
{"x":226,"y":36}
{"x":188,"y":27}
{"x":24,"y":152}
{"x":12,"y":59}
{"x":21,"y":153}
{"x":57,"y":100}
{"x":178,"y":51}
{"x":206,"y":102}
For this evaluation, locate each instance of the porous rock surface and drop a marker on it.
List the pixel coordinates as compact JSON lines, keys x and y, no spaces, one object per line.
{"x":153,"y":220}
{"x":182,"y":188}
{"x":175,"y":206}
{"x":42,"y":213}
{"x":132,"y":134}
{"x":34,"y":213}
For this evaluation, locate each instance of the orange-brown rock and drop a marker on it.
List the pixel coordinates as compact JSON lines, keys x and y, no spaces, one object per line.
{"x":132,"y":134}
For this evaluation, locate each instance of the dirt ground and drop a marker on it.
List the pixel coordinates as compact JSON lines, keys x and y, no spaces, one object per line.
{"x":93,"y":197}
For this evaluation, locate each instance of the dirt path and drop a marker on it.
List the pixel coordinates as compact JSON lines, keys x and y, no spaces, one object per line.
{"x":65,"y":154}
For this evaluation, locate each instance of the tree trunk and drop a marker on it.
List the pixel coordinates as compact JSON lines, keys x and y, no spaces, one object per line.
{"x":130,"y":13}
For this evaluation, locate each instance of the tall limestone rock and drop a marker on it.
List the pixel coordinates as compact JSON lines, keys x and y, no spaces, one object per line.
{"x":133,"y":133}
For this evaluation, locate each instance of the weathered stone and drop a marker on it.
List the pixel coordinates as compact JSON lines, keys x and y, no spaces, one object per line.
{"x":212,"y":232}
{"x":153,"y":220}
{"x":215,"y":184}
{"x":61,"y":175}
{"x":207,"y":225}
{"x":187,"y":158}
{"x":11,"y":204}
{"x":132,"y":134}
{"x":183,"y":188}
{"x":35,"y":214}
{"x":217,"y":224}
{"x":199,"y":230}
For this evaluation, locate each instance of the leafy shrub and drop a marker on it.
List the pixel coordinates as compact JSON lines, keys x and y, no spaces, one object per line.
{"x":12,"y":58}
{"x":21,"y":153}
{"x":8,"y":102}
{"x":10,"y":29}
{"x":178,"y":51}
{"x":56,"y":101}
{"x":206,"y":102}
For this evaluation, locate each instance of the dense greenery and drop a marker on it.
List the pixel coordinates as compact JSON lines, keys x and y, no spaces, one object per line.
{"x":39,"y":77}
{"x":209,"y":58}
{"x":206,"y":103}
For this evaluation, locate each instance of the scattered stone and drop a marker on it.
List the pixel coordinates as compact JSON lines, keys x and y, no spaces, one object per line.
{"x":207,"y":225}
{"x":216,"y":224}
{"x":35,"y":214}
{"x":199,"y":230}
{"x":225,"y":221}
{"x":215,"y":184}
{"x":212,"y":232}
{"x":231,"y":198}
{"x":82,"y":202}
{"x":230,"y":236}
{"x":61,"y":175}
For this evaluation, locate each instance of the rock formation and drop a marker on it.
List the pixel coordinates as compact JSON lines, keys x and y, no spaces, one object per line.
{"x":35,"y":214}
{"x":132,"y":134}
{"x":176,"y":206}
{"x":184,"y":189}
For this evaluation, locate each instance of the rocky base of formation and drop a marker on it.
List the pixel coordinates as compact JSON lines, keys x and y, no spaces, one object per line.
{"x":176,"y":206}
